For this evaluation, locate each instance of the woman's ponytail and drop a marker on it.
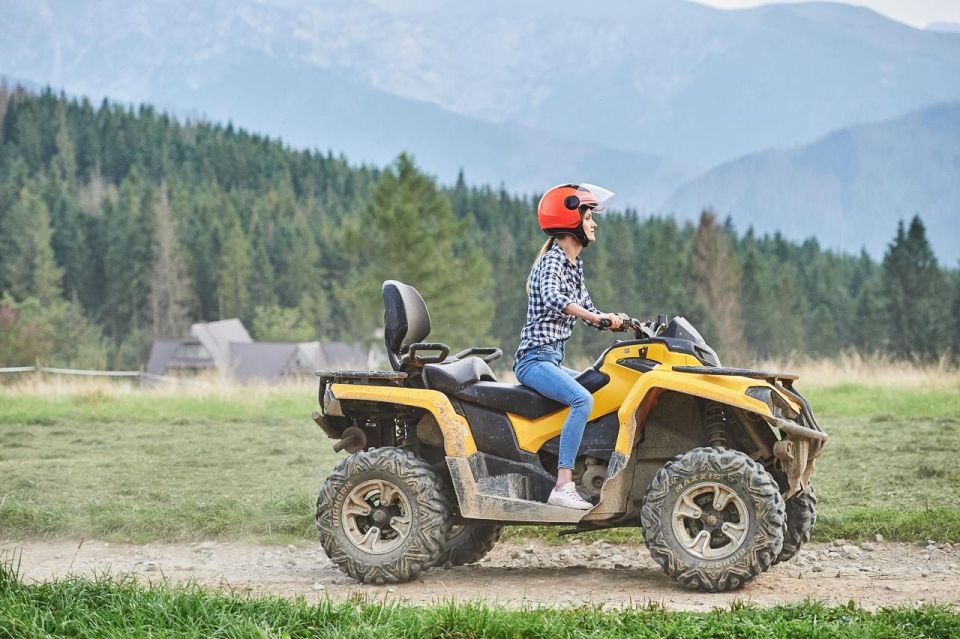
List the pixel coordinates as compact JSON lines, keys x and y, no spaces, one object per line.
{"x":546,"y":247}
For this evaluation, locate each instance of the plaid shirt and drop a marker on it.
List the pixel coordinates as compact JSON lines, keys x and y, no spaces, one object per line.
{"x":555,"y":282}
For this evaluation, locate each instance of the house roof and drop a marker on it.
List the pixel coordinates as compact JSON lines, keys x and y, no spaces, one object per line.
{"x":162,"y":352}
{"x":229,"y":348}
{"x":217,"y":338}
{"x":261,"y":360}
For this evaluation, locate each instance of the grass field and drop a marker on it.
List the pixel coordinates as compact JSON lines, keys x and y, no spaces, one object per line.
{"x":119,"y":607}
{"x":129,"y":465}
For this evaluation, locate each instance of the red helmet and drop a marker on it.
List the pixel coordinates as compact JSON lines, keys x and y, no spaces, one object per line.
{"x":561,"y":208}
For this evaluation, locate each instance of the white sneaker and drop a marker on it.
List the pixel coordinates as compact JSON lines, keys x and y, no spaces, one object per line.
{"x":568,"y":497}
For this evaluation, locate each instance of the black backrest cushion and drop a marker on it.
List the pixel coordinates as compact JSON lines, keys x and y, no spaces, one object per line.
{"x":406,"y":320}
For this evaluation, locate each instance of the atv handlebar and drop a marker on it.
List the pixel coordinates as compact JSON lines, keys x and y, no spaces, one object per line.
{"x":641,"y":329}
{"x":605,"y":324}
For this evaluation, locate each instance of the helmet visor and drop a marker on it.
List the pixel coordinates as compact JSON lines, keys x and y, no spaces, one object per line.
{"x":602,"y":195}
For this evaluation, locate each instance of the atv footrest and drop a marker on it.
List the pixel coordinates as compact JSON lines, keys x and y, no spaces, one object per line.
{"x":492,"y":498}
{"x":514,"y":485}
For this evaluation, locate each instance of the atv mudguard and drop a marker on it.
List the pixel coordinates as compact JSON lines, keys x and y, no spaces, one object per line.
{"x":797,"y":449}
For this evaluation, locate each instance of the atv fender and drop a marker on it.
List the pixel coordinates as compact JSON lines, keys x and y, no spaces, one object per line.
{"x":724,"y":390}
{"x":457,"y":438}
{"x":637,"y":404}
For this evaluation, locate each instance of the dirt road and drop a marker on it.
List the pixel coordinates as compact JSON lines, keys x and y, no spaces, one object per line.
{"x":872,"y":574}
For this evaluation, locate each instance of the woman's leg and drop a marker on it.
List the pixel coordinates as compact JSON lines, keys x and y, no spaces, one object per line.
{"x":551,"y":380}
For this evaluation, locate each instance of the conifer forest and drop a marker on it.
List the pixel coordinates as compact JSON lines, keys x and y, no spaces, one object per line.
{"x":122,"y":225}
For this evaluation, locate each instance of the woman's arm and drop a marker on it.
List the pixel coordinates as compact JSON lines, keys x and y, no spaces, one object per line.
{"x":590,"y":317}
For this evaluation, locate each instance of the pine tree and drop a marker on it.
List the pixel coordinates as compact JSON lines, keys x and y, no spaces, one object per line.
{"x":169,"y":282}
{"x":64,"y":163}
{"x":262,"y":287}
{"x":4,"y":100}
{"x":917,"y":295}
{"x":29,"y":267}
{"x":715,"y":274}
{"x":759,"y":306}
{"x":867,"y":325}
{"x":202,"y":238}
{"x":71,"y":246}
{"x":235,"y":274}
{"x":409,"y":233}
{"x":460,"y":197}
{"x":661,"y":262}
{"x":128,"y":259}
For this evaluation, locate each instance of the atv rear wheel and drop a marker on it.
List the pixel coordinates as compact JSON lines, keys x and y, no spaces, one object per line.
{"x":801,"y":516}
{"x":713,"y":519}
{"x":381,"y":516}
{"x":469,"y":543}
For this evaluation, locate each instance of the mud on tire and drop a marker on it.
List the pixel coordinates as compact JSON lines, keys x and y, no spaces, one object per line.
{"x":713,"y":519}
{"x":382,"y":517}
{"x":469,"y":543}
{"x":801,"y":515}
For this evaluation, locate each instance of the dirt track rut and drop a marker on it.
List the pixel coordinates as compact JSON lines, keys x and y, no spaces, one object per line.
{"x":529,"y":574}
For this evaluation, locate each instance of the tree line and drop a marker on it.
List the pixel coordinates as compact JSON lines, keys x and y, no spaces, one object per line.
{"x":122,"y":225}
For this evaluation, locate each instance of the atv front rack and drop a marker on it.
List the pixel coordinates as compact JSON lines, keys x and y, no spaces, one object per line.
{"x":737,"y":372}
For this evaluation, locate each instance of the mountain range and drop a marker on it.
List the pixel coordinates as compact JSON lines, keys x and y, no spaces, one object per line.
{"x":665,"y":101}
{"x":850,"y":185}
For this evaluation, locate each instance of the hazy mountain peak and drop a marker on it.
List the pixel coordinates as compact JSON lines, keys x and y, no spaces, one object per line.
{"x":944,"y":27}
{"x":849,"y":187}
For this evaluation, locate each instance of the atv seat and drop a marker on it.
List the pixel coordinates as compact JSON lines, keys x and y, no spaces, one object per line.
{"x":523,"y":401}
{"x":452,"y":377}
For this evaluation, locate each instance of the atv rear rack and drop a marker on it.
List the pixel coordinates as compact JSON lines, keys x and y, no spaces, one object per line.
{"x":364,"y":378}
{"x":376,"y":378}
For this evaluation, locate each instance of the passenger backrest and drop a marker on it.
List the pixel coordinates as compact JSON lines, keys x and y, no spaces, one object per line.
{"x":406,"y":320}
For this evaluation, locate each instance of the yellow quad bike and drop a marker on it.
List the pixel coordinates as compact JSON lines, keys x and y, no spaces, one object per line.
{"x":713,"y":463}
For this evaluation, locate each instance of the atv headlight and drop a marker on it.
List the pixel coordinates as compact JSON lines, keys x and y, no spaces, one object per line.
{"x":765,"y":395}
{"x":783,"y":407}
{"x":779,"y":407}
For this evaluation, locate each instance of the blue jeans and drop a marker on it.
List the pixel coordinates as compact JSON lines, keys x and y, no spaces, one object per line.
{"x":539,"y":368}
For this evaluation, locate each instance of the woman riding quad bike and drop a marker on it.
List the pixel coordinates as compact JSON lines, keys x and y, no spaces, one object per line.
{"x":713,"y":463}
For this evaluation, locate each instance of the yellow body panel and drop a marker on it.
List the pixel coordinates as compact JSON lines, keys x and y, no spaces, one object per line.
{"x":457,"y":438}
{"x":628,"y":387}
{"x":623,"y":394}
{"x":726,"y":390}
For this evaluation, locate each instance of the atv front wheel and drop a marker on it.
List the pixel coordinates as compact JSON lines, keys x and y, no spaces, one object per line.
{"x":713,"y":519}
{"x":382,"y":517}
{"x":801,"y":516}
{"x":469,"y":543}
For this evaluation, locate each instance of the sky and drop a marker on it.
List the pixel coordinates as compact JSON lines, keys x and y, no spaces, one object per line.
{"x":917,"y":13}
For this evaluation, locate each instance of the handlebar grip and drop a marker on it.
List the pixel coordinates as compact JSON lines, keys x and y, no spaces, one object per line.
{"x":605,"y":323}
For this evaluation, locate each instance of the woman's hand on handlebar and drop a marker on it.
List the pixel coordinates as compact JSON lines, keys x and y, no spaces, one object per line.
{"x":609,"y":320}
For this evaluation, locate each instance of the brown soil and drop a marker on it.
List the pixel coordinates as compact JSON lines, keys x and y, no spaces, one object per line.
{"x":873,"y":574}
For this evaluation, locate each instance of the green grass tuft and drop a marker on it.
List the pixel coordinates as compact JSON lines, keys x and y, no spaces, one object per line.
{"x":118,"y":607}
{"x":938,"y":524}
